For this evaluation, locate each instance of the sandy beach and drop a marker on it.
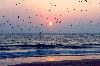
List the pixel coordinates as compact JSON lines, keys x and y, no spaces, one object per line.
{"x":37,"y":61}
{"x":88,"y":62}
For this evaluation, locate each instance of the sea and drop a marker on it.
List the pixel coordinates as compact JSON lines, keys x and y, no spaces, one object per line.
{"x":23,"y":45}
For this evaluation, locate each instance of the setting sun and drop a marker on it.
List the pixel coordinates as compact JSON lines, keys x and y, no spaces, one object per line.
{"x":50,"y":23}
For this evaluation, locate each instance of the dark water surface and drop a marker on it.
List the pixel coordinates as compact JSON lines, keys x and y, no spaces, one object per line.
{"x":30,"y":45}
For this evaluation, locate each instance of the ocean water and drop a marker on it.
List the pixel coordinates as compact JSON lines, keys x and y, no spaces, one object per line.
{"x":39,"y":45}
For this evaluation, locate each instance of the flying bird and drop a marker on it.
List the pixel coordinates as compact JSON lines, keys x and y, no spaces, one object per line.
{"x":86,"y":0}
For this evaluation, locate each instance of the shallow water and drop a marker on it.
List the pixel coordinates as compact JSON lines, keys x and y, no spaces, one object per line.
{"x":48,"y":52}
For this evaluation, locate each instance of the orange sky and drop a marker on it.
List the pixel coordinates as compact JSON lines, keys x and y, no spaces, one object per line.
{"x":67,"y":11}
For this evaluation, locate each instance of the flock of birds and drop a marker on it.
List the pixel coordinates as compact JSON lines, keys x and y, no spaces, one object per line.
{"x":57,"y":20}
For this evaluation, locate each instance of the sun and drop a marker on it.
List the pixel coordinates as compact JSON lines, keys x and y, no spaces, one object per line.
{"x":50,"y":23}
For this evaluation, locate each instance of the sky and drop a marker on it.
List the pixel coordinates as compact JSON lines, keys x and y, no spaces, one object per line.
{"x":49,"y":16}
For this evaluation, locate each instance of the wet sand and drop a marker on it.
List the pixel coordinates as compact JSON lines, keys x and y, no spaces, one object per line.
{"x":88,"y":62}
{"x":51,"y":60}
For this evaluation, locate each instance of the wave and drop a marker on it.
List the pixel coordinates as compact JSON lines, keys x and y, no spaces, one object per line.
{"x":45,"y":46}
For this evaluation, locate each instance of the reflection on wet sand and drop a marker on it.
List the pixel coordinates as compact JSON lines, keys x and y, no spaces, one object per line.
{"x":14,"y":61}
